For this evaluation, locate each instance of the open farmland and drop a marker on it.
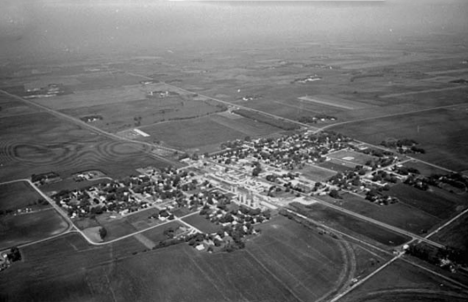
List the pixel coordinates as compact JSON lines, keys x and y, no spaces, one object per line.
{"x":454,"y":235}
{"x":204,"y":133}
{"x":401,"y":281}
{"x":443,"y":133}
{"x":39,"y":143}
{"x":400,"y":215}
{"x":28,"y":227}
{"x":350,"y":225}
{"x":425,"y":201}
{"x":18,"y":195}
{"x":143,"y":112}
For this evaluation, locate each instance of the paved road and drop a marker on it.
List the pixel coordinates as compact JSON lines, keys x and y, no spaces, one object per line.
{"x":94,"y":129}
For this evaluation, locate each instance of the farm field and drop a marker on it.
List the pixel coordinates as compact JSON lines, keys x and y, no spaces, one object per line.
{"x":399,"y":215}
{"x":401,"y":281}
{"x":28,"y":227}
{"x":454,"y":235}
{"x":136,"y":275}
{"x":443,"y":133}
{"x":18,"y":195}
{"x":123,"y":115}
{"x":350,"y":225}
{"x":64,"y":269}
{"x":39,"y":143}
{"x":206,"y":133}
{"x":428,"y":202}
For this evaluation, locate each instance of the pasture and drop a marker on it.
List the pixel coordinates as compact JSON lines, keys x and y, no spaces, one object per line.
{"x":443,"y":133}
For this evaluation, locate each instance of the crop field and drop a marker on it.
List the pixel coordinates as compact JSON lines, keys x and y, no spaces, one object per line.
{"x":291,"y":109}
{"x":356,"y":158}
{"x":24,"y":228}
{"x":39,"y":143}
{"x":203,"y":224}
{"x":94,"y":97}
{"x":454,"y":235}
{"x":316,"y":173}
{"x":194,"y":133}
{"x":291,"y":252}
{"x":425,"y":201}
{"x":401,"y":281}
{"x":425,"y":169}
{"x":11,"y":107}
{"x":442,"y":133}
{"x":352,"y":226}
{"x":64,"y":269}
{"x":333,"y":102}
{"x":399,"y":215}
{"x":17,"y":195}
{"x":247,"y":126}
{"x":121,"y":115}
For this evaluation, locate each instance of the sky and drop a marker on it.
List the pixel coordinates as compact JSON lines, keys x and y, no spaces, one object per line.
{"x":39,"y":28}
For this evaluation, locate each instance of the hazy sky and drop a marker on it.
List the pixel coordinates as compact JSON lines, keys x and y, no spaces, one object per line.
{"x":37,"y":28}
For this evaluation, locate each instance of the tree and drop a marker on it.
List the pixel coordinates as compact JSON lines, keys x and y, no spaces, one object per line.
{"x":102,"y":232}
{"x":334,"y":194}
{"x":14,"y":254}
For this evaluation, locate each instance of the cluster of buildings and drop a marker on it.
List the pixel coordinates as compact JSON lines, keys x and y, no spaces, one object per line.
{"x":287,"y":152}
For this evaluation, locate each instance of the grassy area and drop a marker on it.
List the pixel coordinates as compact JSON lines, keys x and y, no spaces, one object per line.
{"x":203,"y":224}
{"x":356,"y":158}
{"x":350,"y":225}
{"x":316,"y":173}
{"x":24,"y":228}
{"x":337,"y":166}
{"x":18,"y":195}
